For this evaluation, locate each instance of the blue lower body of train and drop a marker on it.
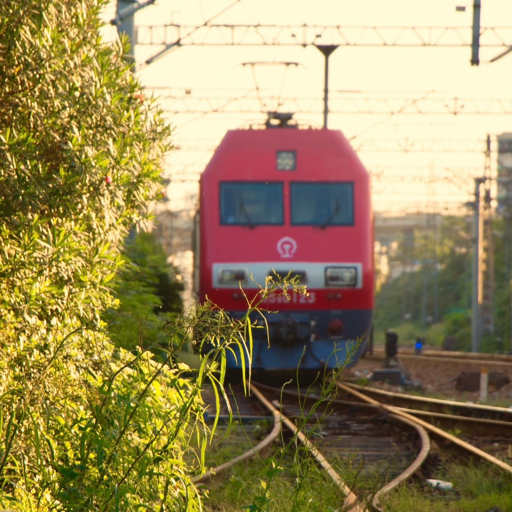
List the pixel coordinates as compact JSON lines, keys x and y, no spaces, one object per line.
{"x":305,"y":341}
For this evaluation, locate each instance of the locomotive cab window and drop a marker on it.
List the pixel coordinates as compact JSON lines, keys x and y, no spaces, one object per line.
{"x":251,"y":203}
{"x":322,"y":204}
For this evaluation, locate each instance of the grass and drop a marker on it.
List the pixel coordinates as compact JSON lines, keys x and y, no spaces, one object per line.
{"x":286,"y":479}
{"x":233,"y":440}
{"x":279,"y":483}
{"x":476,"y":488}
{"x":290,"y":481}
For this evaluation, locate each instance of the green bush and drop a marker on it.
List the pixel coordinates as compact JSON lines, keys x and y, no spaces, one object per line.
{"x":435,"y":335}
{"x":148,"y":298}
{"x":457,"y":325}
{"x":84,"y":425}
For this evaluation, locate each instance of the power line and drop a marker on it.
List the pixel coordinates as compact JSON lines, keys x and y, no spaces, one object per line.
{"x":338,"y":104}
{"x":411,"y":174}
{"x":308,"y":35}
{"x":190,"y":34}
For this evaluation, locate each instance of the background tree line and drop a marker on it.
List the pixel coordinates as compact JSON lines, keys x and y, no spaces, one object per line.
{"x":432,"y":291}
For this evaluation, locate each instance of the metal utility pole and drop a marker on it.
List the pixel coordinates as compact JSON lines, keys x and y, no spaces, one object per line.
{"x":475,"y":41}
{"x":505,"y":206}
{"x":476,"y":296}
{"x":482,"y":319}
{"x":326,"y":50}
{"x":125,"y":25}
{"x":124,"y":21}
{"x":487,"y":250}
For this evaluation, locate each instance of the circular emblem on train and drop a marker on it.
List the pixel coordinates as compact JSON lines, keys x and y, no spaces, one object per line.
{"x":286,"y":247}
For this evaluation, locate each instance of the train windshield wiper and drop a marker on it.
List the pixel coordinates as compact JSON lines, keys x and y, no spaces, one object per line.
{"x":246,"y":215}
{"x":333,"y":214}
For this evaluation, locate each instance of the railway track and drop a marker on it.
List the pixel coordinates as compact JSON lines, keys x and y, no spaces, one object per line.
{"x":455,"y":375}
{"x":485,"y":427}
{"x":433,"y":407}
{"x":477,"y":359}
{"x":374,"y":445}
{"x":388,"y":443}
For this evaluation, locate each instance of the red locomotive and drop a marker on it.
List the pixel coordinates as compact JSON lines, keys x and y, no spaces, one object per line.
{"x":289,"y":199}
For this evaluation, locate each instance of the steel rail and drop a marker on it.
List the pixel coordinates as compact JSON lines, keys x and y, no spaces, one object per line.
{"x":351,"y":499}
{"x":414,"y":412}
{"x":456,"y":417}
{"x":411,"y":469}
{"x":454,"y":440}
{"x":416,"y":464}
{"x":449,"y":359}
{"x":435,"y":401}
{"x":467,"y":357}
{"x":253,"y":452}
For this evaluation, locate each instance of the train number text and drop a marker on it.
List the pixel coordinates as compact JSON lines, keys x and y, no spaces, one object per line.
{"x":293,"y":298}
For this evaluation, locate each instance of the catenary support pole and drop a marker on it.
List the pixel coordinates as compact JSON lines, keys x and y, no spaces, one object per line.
{"x":326,"y":50}
{"x":475,"y":42}
{"x":476,"y":284}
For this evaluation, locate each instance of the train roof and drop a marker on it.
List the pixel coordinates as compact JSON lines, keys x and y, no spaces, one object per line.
{"x":258,"y":154}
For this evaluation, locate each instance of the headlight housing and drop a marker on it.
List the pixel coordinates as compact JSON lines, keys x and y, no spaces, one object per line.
{"x":341,"y":277}
{"x":232,"y":277}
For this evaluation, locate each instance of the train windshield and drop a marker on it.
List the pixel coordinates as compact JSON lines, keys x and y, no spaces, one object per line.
{"x":322,"y":204}
{"x":251,"y":203}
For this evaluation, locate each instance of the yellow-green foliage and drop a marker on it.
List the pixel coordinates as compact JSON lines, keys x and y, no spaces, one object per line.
{"x":83,"y":426}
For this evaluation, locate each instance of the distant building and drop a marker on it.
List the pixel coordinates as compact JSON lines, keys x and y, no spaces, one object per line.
{"x":388,"y":232}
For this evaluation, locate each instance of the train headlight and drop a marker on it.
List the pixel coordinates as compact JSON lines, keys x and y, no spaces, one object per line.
{"x":341,"y":277}
{"x":233,"y":277}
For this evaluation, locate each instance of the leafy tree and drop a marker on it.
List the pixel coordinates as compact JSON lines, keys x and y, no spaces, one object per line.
{"x":84,"y":426}
{"x":149,"y":298}
{"x":451,"y":291}
{"x":436,"y":280}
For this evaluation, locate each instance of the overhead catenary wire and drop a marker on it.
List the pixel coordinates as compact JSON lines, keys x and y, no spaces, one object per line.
{"x":174,"y":44}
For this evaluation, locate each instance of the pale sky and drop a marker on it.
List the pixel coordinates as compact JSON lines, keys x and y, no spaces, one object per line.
{"x":433,"y":181}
